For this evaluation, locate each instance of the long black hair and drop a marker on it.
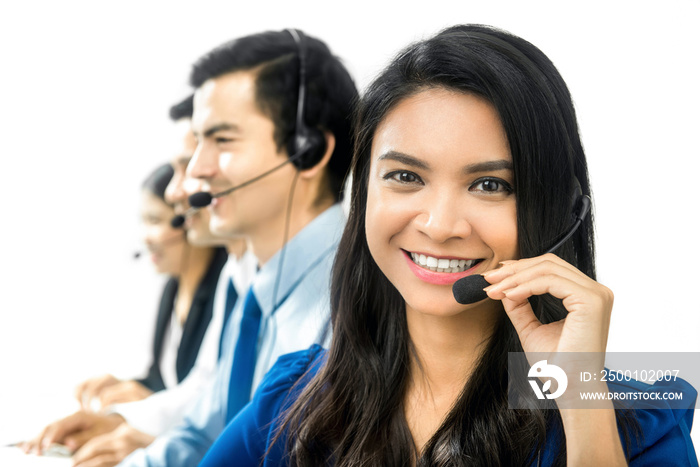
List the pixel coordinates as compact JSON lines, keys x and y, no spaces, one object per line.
{"x":352,"y":412}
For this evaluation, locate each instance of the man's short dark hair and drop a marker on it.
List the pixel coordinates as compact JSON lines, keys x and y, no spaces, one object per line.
{"x":330,"y":97}
{"x":182,"y":109}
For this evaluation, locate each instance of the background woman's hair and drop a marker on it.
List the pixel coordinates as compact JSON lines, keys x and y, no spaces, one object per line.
{"x":352,"y":414}
{"x":158,"y":180}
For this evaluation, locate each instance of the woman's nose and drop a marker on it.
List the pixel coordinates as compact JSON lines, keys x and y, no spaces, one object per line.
{"x":443,"y":218}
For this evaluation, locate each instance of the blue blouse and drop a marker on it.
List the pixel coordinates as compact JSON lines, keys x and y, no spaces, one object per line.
{"x":247,"y":438}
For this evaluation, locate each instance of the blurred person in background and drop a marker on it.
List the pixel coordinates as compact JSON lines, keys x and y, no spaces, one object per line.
{"x":186,"y":340}
{"x":164,"y":410}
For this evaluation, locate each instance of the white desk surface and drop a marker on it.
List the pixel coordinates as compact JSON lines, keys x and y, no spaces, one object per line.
{"x":14,"y":457}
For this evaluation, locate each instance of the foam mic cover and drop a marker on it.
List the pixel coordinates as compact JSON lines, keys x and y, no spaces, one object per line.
{"x":470,"y":289}
{"x":177,"y":221}
{"x":200,"y":199}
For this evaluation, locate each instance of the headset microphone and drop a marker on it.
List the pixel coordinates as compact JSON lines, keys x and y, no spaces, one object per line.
{"x":179,"y":220}
{"x":198,"y":201}
{"x":203,"y":199}
{"x":470,"y":289}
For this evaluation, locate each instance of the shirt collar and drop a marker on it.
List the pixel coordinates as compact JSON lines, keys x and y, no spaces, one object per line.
{"x":241,"y":271}
{"x":304,"y":251}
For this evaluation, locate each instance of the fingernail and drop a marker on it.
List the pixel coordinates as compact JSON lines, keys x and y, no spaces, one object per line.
{"x":490,"y":273}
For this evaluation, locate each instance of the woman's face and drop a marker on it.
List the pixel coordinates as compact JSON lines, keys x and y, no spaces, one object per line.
{"x":440,"y":204}
{"x":165,"y":244}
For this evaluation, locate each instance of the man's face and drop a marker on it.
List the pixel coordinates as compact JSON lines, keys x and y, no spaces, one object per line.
{"x":236,"y":144}
{"x":180,"y":186}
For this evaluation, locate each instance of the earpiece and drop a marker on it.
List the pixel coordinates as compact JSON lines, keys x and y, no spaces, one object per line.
{"x":577,"y":200}
{"x":309,"y":144}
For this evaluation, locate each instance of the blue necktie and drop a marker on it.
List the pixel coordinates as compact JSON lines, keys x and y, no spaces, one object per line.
{"x":231,"y":297}
{"x":244,"y":358}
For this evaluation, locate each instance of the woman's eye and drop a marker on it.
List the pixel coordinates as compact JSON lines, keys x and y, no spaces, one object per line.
{"x":492,"y":185}
{"x":221,"y":140}
{"x":403,"y":176}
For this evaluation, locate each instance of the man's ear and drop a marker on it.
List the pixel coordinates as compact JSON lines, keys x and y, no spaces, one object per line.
{"x":311,"y":172}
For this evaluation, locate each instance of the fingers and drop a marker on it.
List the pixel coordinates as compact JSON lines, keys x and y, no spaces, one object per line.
{"x":92,"y":388}
{"x":56,"y":432}
{"x":588,"y":303}
{"x":111,"y":448}
{"x":98,"y":424}
{"x":519,"y":280}
{"x":522,"y":316}
{"x":34,"y":445}
{"x":530,"y":267}
{"x":96,"y":447}
{"x":77,"y":440}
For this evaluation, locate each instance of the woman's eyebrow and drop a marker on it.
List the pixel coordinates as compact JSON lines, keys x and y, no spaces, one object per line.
{"x":404,"y":159}
{"x":488,"y":166}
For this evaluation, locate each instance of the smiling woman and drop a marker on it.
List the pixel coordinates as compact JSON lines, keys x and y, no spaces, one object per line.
{"x":451,"y":200}
{"x":467,"y":159}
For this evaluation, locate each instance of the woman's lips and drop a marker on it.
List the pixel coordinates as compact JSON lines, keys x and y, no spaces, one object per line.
{"x":440,"y":278}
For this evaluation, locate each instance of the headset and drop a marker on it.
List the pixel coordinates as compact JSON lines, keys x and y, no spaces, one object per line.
{"x":306,"y":148}
{"x":308,"y":144}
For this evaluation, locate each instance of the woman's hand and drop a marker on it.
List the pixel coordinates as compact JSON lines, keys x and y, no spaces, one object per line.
{"x":90,"y":389}
{"x":589,"y":304}
{"x":111,"y":448}
{"x":73,"y":431}
{"x":125,"y":391}
{"x":584,"y":329}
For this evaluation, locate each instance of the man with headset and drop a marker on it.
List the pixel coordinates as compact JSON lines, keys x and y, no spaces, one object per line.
{"x":112,"y":434}
{"x":272,"y":120}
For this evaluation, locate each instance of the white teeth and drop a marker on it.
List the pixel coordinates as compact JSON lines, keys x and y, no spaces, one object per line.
{"x":443,"y":264}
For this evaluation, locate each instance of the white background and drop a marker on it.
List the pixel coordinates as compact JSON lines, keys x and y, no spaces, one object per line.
{"x":83,"y":118}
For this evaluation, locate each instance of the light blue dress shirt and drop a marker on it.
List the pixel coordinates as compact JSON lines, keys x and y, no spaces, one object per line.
{"x":299,"y":320}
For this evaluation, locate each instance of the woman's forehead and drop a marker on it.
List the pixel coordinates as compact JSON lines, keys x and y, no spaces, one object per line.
{"x":439,"y":123}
